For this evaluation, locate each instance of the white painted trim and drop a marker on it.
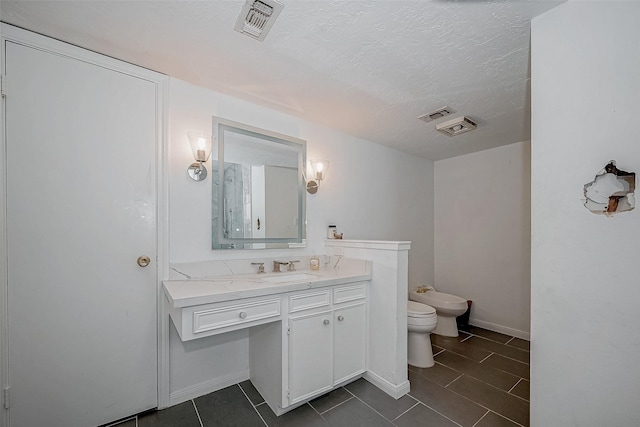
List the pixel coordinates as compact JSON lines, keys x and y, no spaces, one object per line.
{"x":37,"y":41}
{"x":370,"y":244}
{"x":499,"y":328}
{"x":395,"y":391}
{"x":4,"y":311}
{"x":162,"y":223}
{"x":207,"y":387}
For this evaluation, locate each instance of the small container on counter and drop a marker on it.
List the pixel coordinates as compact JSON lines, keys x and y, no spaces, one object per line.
{"x":314,"y":263}
{"x":330,"y":231}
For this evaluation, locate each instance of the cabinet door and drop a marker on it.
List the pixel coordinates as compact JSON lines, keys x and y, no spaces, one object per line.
{"x":349,"y":342}
{"x":310,"y":355}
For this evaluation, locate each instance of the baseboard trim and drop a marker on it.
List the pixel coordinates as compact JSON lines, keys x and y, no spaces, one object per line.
{"x":499,"y":328}
{"x":395,"y":391}
{"x":207,"y":387}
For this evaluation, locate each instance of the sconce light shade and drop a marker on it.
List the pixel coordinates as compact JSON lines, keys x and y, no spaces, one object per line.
{"x":201,"y":147}
{"x":317,"y":171}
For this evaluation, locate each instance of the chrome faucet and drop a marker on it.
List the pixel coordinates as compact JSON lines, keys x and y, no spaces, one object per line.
{"x":292,"y":266}
{"x":277,"y":264}
{"x":260,"y":266}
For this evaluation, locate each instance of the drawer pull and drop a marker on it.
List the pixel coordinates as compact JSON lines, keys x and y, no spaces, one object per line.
{"x":243,"y":315}
{"x":326,"y":321}
{"x":340,"y":318}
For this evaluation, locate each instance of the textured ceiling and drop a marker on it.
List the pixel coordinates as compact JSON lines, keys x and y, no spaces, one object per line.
{"x":367,"y":68}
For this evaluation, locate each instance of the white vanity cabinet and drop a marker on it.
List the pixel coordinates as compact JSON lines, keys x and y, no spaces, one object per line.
{"x":303,"y":342}
{"x":326,"y":347}
{"x":310,"y":353}
{"x":349,"y":342}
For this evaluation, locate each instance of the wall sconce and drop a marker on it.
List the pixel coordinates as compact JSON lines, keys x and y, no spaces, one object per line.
{"x":201,"y":146}
{"x":317,"y":172}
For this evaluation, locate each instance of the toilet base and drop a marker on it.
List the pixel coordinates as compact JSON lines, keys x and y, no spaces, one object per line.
{"x":419,"y":352}
{"x":447,"y":326}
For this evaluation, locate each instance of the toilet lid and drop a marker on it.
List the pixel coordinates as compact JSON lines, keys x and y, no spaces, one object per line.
{"x":416,"y":309}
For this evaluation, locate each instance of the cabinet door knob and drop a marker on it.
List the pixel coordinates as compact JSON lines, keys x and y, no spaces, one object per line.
{"x":243,"y":314}
{"x":340,"y":318}
{"x":326,"y":321}
{"x":144,"y":260}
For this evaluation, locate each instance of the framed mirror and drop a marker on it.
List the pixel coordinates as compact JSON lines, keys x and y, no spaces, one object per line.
{"x":258,"y":188}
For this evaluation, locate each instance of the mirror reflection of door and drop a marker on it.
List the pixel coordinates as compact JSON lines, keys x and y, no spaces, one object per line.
{"x":258,"y":196}
{"x":281,"y":202}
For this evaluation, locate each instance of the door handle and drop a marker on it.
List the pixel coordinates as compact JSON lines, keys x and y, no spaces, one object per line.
{"x":144,"y":260}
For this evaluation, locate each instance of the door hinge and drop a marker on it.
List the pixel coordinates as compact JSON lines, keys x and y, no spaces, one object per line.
{"x":6,"y":398}
{"x":288,"y":330}
{"x":288,"y":394}
{"x":3,"y":85}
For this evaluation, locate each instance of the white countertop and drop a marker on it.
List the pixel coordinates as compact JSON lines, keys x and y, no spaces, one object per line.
{"x":190,"y":292}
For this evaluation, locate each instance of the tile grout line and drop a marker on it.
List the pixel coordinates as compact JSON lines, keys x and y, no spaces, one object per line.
{"x":485,"y":414}
{"x":317,"y":412}
{"x":486,"y":407}
{"x":470,"y":336}
{"x":334,"y":407}
{"x":492,"y":353}
{"x":251,"y":403}
{"x":414,"y":405}
{"x":512,"y":338}
{"x":457,"y":378}
{"x":376,"y":411}
{"x":514,"y":386}
{"x":441,"y":351}
{"x":116,"y":423}
{"x":515,"y":395}
{"x":506,"y":418}
{"x":193,"y":402}
{"x":438,"y":412}
{"x":511,"y":358}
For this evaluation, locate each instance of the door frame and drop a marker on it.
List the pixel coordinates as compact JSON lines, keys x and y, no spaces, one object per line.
{"x":9,"y":33}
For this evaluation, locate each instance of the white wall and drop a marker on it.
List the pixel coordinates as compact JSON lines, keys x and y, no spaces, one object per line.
{"x":371,"y":192}
{"x":585,"y":359}
{"x":482,"y":235}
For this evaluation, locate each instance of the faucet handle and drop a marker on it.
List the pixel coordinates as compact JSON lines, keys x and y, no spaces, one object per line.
{"x":292,"y":266}
{"x":260,"y":266}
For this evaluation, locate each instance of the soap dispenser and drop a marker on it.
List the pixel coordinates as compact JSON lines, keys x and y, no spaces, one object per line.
{"x":314,"y":263}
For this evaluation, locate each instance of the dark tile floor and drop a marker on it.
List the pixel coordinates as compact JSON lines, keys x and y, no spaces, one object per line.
{"x":480,"y":379}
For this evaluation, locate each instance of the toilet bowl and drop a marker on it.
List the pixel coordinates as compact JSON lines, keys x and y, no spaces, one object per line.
{"x":421,"y":321}
{"x":447,"y":307}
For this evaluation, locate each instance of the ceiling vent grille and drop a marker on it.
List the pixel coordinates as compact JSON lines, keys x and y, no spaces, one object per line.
{"x":434,"y":115}
{"x":257,"y":17}
{"x":457,"y":126}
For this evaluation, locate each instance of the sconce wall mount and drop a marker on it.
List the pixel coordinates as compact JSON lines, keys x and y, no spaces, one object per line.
{"x":201,"y":147}
{"x":317,"y":170}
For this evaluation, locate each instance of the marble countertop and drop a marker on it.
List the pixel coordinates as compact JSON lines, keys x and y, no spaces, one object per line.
{"x":207,"y":290}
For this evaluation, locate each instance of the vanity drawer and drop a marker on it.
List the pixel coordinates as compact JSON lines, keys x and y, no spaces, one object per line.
{"x":306,"y":301}
{"x":215,"y":318}
{"x":349,"y":293}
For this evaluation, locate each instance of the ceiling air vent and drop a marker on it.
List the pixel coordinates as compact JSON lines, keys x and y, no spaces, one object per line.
{"x":434,"y":115}
{"x":456,"y":126}
{"x":257,"y":17}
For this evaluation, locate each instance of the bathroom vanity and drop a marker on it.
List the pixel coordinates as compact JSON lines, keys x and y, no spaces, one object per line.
{"x":307,"y":330}
{"x":297,"y":334}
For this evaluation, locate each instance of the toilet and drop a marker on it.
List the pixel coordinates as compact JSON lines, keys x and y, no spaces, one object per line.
{"x":421,"y":321}
{"x":447,"y":306}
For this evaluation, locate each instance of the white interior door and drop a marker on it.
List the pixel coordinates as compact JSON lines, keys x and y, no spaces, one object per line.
{"x":81,"y":208}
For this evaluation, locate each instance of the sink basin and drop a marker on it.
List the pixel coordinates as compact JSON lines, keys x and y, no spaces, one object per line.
{"x":289,"y":278}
